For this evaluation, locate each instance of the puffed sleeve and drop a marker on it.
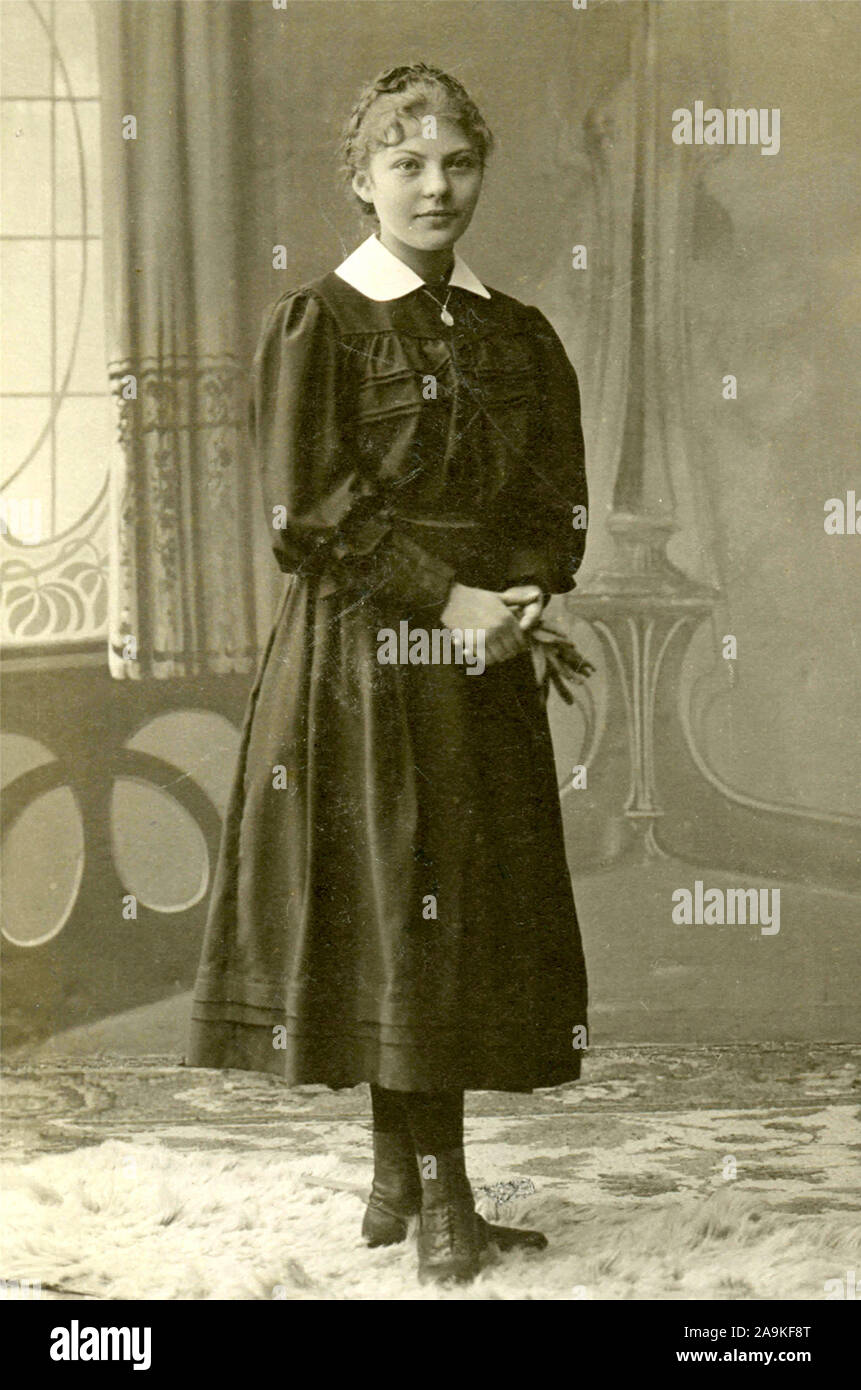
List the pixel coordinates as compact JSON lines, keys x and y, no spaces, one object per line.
{"x":548,"y":533}
{"x":328,"y":517}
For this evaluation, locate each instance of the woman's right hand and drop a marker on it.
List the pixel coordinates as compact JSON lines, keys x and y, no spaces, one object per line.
{"x":482,"y":609}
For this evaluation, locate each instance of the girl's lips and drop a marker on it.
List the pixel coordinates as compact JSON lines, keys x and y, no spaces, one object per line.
{"x":437,"y":216}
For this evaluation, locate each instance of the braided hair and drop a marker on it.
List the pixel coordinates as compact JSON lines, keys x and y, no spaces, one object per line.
{"x":396,"y":95}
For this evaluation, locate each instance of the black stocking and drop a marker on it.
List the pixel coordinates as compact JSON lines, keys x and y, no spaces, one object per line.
{"x":388,"y":1110}
{"x":434,"y":1119}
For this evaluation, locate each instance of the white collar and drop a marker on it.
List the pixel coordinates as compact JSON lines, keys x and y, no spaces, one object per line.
{"x":376,"y":273}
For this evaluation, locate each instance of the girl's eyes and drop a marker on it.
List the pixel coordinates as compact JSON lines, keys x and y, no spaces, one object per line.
{"x":463,"y":163}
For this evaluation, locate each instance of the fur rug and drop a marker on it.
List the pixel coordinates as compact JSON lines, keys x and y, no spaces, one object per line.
{"x":136,"y":1221}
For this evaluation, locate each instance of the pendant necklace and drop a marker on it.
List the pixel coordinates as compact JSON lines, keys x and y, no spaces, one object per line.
{"x":443,"y":308}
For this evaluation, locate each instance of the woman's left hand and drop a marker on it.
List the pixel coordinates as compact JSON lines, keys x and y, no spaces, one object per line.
{"x":528,"y":600}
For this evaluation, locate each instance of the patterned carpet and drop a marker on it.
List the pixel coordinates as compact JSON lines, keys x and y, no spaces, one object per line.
{"x":728,"y":1172}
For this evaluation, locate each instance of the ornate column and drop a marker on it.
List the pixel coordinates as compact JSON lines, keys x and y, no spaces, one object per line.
{"x":651,"y":789}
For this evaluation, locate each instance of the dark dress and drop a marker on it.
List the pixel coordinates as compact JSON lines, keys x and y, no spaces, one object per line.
{"x":324,"y":959}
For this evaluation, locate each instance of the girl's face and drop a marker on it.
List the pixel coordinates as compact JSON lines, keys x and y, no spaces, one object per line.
{"x":425,"y":189}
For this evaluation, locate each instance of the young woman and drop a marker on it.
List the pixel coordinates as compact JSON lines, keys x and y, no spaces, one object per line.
{"x":392,"y":903}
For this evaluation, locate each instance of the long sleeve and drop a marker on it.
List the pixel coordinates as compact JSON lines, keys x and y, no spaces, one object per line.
{"x":548,"y":536}
{"x":328,"y":517}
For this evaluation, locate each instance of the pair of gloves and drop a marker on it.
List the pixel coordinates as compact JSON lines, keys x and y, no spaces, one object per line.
{"x":557,"y":661}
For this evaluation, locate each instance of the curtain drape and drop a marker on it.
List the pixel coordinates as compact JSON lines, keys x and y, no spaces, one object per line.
{"x":186,"y":595}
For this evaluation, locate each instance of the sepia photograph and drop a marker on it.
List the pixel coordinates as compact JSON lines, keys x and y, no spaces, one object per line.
{"x":430,"y":691}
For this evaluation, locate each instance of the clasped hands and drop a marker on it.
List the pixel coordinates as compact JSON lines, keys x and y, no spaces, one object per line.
{"x":504,"y":617}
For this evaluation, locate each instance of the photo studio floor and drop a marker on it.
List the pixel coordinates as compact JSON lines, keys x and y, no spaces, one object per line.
{"x":666,"y":1173}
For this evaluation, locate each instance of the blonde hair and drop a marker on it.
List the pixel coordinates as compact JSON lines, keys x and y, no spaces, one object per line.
{"x":397,"y":95}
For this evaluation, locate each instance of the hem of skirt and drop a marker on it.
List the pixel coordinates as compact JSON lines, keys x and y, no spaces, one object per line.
{"x":258,"y":1016}
{"x":307,"y":1059}
{"x":238,"y":999}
